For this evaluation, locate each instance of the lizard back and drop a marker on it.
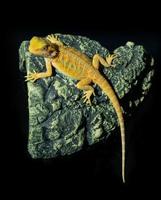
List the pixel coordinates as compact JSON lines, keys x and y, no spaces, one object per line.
{"x":73,"y":63}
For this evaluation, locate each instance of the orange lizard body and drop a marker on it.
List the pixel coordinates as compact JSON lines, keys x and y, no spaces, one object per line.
{"x":77,"y":65}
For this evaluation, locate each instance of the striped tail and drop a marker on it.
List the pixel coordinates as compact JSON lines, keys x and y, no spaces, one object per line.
{"x":107,"y":89}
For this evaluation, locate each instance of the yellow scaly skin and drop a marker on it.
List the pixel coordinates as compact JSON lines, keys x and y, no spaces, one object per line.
{"x":77,"y":65}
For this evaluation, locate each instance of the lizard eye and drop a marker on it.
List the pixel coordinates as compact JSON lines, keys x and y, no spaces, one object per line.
{"x":45,"y":48}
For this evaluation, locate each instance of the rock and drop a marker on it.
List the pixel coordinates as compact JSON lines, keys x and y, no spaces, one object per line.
{"x":59,"y":122}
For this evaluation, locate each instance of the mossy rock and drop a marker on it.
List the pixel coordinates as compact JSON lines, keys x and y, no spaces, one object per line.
{"x":59,"y":122}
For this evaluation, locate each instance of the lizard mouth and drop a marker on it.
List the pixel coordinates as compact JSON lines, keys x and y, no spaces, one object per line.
{"x":52,"y":54}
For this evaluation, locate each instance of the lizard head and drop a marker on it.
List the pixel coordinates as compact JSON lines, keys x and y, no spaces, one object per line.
{"x":43,"y":47}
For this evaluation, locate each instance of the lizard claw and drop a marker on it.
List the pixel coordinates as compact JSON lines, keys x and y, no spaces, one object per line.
{"x":86,"y":100}
{"x":52,"y":38}
{"x":114,"y":55}
{"x":86,"y":97}
{"x":32,"y":76}
{"x":110,"y":58}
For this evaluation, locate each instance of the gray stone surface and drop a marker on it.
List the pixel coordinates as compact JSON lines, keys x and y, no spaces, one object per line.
{"x":59,"y":122}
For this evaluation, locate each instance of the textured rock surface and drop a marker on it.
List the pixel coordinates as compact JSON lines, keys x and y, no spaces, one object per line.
{"x":59,"y":122}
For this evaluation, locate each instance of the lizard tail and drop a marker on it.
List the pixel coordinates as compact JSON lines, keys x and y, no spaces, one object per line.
{"x":107,"y":89}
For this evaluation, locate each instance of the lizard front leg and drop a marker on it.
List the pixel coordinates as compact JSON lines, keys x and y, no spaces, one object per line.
{"x":88,"y":90}
{"x":34,"y":76}
{"x":106,"y":63}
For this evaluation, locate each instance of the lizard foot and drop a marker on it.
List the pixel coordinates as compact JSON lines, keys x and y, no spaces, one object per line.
{"x":52,"y":38}
{"x":110,"y":58}
{"x":87,"y":95}
{"x":32,"y":77}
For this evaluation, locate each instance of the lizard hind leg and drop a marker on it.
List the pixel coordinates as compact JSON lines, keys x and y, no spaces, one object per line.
{"x":88,"y":90}
{"x":97,"y":59}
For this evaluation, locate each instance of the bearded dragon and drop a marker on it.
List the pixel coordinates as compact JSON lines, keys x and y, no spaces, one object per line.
{"x":77,"y":65}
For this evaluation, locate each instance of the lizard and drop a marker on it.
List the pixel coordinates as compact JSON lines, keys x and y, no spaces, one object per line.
{"x":75,"y":64}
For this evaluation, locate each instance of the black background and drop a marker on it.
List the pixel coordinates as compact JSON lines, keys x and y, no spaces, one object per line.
{"x":96,"y":170}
